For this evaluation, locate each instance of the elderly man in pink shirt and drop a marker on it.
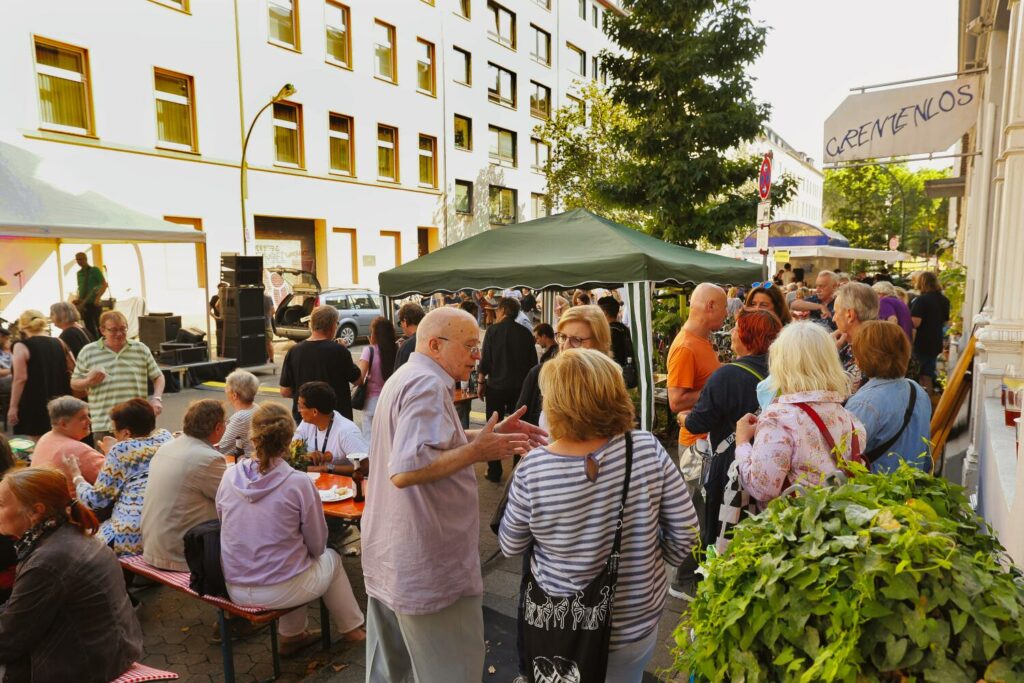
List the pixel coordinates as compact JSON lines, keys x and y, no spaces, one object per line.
{"x":69,"y":424}
{"x":421,"y":526}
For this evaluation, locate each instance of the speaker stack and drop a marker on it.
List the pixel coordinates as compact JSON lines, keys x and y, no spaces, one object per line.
{"x":242,"y":309}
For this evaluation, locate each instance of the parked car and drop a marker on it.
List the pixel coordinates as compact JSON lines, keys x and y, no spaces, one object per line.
{"x":358,"y":307}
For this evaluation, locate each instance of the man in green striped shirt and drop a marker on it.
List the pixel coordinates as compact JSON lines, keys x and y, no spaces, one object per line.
{"x":115,"y":369}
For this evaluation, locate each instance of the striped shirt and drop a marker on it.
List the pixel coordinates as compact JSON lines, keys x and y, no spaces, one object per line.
{"x":571,"y":522}
{"x":127,"y":373}
{"x":238,"y":428}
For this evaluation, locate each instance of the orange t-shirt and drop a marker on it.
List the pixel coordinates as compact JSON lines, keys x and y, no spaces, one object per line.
{"x":691,"y":360}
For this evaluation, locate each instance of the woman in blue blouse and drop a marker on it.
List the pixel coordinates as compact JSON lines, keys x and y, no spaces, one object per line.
{"x":122,"y":480}
{"x":882,"y":352}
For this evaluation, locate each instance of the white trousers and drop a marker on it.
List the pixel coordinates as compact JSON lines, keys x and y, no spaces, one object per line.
{"x":368,"y":410}
{"x":324,"y":578}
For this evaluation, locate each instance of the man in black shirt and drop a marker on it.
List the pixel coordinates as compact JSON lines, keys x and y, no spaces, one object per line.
{"x":409,"y":317}
{"x":508,"y":355}
{"x":929,"y":313}
{"x":622,"y":340}
{"x":529,"y":303}
{"x":320,"y":359}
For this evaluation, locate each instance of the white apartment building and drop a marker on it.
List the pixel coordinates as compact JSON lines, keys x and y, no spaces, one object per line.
{"x":411,"y":126}
{"x":806,"y":204}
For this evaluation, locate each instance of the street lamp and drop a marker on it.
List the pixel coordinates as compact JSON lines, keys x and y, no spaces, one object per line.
{"x":287,"y":90}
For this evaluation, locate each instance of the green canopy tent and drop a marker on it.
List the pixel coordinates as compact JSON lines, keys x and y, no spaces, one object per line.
{"x":572,"y":249}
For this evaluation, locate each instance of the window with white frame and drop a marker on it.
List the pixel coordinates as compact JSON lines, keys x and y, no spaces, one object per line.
{"x":384,"y":51}
{"x":503,"y":25}
{"x":425,"y":80}
{"x":175,"y":121}
{"x":502,"y":87}
{"x":541,"y":152}
{"x":342,"y":150}
{"x":337,"y":26}
{"x":502,"y":147}
{"x":282,"y":23}
{"x":540,"y":48}
{"x":288,"y":134}
{"x":387,"y":153}
{"x":577,"y":60}
{"x":65,"y":98}
{"x":428,"y":161}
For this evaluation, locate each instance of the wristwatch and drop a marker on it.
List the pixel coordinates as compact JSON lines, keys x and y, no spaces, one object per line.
{"x":330,"y":467}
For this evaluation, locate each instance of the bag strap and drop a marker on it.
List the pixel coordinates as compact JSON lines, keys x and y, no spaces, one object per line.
{"x":882,"y":449}
{"x":825,"y":434}
{"x":617,"y":543}
{"x":749,"y":369}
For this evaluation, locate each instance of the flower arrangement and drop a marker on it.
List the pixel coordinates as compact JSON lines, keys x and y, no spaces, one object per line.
{"x":298,"y":454}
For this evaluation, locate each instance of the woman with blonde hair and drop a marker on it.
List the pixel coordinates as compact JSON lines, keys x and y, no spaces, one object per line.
{"x":600,"y":509}
{"x":580,"y":327}
{"x":273,"y":537}
{"x":42,"y":369}
{"x":794,"y":438}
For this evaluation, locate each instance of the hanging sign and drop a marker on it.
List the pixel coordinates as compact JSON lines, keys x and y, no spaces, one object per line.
{"x":918,"y":119}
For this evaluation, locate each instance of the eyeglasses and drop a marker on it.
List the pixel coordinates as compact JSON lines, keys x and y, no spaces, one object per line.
{"x":116,"y":330}
{"x":571,"y":342}
{"x":763,"y":285}
{"x":473,"y":349}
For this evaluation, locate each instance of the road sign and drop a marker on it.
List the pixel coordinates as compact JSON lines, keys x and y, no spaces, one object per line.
{"x":764,"y":180}
{"x":762,"y":239}
{"x":764,"y":213}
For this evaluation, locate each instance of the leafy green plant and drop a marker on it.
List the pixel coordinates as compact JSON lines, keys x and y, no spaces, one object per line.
{"x":886,"y":578}
{"x":954,"y":282}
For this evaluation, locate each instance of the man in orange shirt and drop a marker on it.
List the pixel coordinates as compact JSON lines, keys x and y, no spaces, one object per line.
{"x":691,"y":360}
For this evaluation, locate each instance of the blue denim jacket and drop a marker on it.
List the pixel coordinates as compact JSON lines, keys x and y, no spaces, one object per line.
{"x":881,"y":404}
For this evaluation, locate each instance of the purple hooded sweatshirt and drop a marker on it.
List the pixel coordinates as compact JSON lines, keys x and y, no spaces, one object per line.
{"x":272,"y":525}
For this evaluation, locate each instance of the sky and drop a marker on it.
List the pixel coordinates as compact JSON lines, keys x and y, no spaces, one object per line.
{"x":817,"y":50}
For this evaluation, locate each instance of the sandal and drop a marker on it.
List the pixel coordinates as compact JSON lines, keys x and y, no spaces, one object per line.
{"x":289,"y":645}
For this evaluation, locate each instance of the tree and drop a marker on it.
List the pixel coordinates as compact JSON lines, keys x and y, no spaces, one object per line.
{"x":864,"y":204}
{"x":682,"y":74}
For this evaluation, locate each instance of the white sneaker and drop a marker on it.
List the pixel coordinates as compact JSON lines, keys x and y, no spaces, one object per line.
{"x":685,"y":590}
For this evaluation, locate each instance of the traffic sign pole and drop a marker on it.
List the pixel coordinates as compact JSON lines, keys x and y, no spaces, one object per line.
{"x":764,"y":211}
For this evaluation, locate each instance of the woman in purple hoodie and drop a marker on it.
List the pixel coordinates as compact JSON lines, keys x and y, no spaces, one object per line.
{"x":274,"y":537}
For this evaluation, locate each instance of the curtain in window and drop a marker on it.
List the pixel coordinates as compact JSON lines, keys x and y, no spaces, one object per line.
{"x":173,"y":115}
{"x":62,"y":100}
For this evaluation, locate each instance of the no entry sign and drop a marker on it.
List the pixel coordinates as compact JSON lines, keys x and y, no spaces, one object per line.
{"x":764,"y":181}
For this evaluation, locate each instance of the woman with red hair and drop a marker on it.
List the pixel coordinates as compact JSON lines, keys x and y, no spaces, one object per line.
{"x":731,"y":393}
{"x":68,"y":617}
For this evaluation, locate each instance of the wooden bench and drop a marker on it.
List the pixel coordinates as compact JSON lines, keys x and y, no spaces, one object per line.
{"x":257,"y":615}
{"x":139,"y":673}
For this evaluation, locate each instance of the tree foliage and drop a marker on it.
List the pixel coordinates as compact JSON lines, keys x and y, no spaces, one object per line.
{"x":682,"y":74}
{"x":864,"y":203}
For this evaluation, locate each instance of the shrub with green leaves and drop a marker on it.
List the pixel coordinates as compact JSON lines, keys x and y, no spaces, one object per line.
{"x":886,"y":578}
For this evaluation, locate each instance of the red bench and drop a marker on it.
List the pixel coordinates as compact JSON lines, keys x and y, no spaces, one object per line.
{"x":257,"y":615}
{"x":139,"y":673}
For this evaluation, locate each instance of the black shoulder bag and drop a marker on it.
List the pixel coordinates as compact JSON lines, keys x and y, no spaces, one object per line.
{"x":566,"y":638}
{"x":359,"y":394}
{"x":882,"y":449}
{"x":202,"y":553}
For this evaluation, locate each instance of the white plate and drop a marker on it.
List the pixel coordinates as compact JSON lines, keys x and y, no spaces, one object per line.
{"x":335,"y":495}
{"x":313,"y":476}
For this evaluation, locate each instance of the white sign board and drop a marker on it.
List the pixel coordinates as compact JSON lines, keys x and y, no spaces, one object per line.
{"x":764,"y":213}
{"x":762,"y":238}
{"x":914,"y":120}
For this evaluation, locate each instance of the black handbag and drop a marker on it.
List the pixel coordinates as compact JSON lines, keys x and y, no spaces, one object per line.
{"x":359,"y":395}
{"x":202,"y":554}
{"x":566,"y":638}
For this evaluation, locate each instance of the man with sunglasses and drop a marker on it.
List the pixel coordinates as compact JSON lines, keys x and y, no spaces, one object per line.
{"x":822,"y":304}
{"x":508,"y":356}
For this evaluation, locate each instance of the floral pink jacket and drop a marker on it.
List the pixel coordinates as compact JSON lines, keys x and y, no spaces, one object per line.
{"x":788,"y":447}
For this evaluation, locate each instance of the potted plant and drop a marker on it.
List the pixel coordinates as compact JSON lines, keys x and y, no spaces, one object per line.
{"x":888,"y":577}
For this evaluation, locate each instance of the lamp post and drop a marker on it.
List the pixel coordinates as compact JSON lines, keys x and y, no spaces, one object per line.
{"x":287,"y":90}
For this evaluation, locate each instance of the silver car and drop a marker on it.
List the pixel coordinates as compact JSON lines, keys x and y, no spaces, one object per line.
{"x":357,"y":307}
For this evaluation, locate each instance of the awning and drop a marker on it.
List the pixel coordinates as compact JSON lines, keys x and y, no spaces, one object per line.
{"x":849,"y":253}
{"x":32,"y":208}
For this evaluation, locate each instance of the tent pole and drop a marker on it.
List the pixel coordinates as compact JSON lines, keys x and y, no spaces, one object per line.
{"x":60,"y":272}
{"x":547,"y":304}
{"x":206,"y":296}
{"x":638,"y":296}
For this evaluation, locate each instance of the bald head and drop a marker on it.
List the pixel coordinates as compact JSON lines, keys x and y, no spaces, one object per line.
{"x":442,"y":322}
{"x":706,"y":293}
{"x":451,"y":338}
{"x":707,"y":309}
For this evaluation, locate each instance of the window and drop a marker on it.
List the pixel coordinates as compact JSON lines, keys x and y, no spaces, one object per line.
{"x":288,"y":134}
{"x":593,"y":68}
{"x":384,"y":51}
{"x":463,"y":66}
{"x":540,"y":100}
{"x":464,"y":196}
{"x":428,"y":161}
{"x":579,"y":104}
{"x":337,"y":23}
{"x":503,"y":205}
{"x":502,"y":89}
{"x":541,"y":152}
{"x":503,"y":25}
{"x":65,"y":101}
{"x":539,"y":205}
{"x":541,"y":47}
{"x":175,"y":125}
{"x":502,"y":149}
{"x":462,"y":8}
{"x":546,"y":4}
{"x":595,"y":16}
{"x":463,"y":132}
{"x":577,"y":60}
{"x":425,"y":81}
{"x":387,"y":153}
{"x":283,"y":24}
{"x":583,"y":9}
{"x":340,"y":130}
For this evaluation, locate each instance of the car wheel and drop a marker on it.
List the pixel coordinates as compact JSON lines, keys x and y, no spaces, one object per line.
{"x":347,"y":334}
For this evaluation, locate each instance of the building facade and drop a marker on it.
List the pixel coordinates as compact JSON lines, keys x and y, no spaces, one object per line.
{"x":410,"y":125}
{"x":990,"y":243}
{"x":787,"y":160}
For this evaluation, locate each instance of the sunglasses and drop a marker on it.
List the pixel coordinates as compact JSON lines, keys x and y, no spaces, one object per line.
{"x":762,"y":285}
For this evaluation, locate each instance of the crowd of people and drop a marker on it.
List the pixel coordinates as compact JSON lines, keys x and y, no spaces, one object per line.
{"x":597,"y":508}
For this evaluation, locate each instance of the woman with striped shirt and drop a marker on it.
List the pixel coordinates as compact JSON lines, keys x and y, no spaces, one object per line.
{"x":565,"y":497}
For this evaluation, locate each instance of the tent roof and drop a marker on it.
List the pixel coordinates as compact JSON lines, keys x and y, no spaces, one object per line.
{"x":565,"y":250}
{"x":792,"y":233}
{"x":30,"y":207}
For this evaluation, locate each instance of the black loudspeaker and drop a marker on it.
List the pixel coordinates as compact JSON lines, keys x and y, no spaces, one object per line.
{"x":190,"y":335}
{"x":156,"y":329}
{"x":248,"y":350}
{"x":242,"y":302}
{"x":241,"y":271}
